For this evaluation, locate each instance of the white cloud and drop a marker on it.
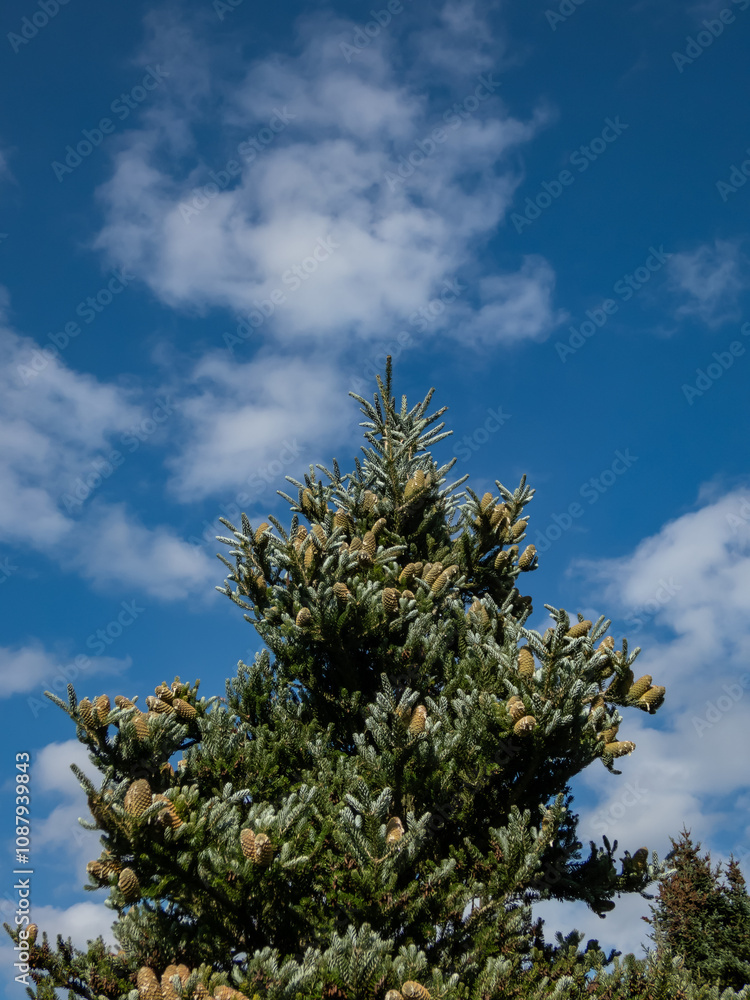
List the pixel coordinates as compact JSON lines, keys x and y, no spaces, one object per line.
{"x":710,"y":281}
{"x":58,"y":428}
{"x":328,"y":170}
{"x":32,"y":667}
{"x":686,"y":590}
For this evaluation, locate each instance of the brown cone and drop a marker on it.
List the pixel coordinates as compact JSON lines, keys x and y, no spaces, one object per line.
{"x":640,"y":687}
{"x":122,"y":702}
{"x":393,"y":995}
{"x":525,"y":725}
{"x":31,"y":932}
{"x":86,"y":713}
{"x":525,"y":662}
{"x":390,"y":600}
{"x":247,"y":843}
{"x":516,"y":709}
{"x":165,"y":693}
{"x":264,"y":526}
{"x":418,"y":720}
{"x":304,"y":618}
{"x":486,"y":502}
{"x":378,"y":526}
{"x":184,"y":709}
{"x":103,"y":708}
{"x":653,"y":696}
{"x":370,"y":544}
{"x":582,"y":628}
{"x":394,"y":830}
{"x":168,"y":816}
{"x":263,"y":850}
{"x":157,"y":705}
{"x":129,"y":885}
{"x":341,"y":591}
{"x":414,"y":991}
{"x":140,"y":725}
{"x":527,"y":557}
{"x":138,"y":797}
{"x":619,"y":749}
{"x":148,"y":984}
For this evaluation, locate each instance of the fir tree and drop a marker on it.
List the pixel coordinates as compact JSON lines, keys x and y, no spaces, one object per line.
{"x":384,"y":793}
{"x":702,"y":919}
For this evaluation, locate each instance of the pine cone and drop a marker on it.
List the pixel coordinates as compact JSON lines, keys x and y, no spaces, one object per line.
{"x":200,"y":992}
{"x":516,"y":708}
{"x":263,"y":850}
{"x":502,"y":559}
{"x":122,"y":702}
{"x":407,"y":594}
{"x":86,"y":714}
{"x":102,"y":709}
{"x":369,"y":501}
{"x":407,"y":574}
{"x":263,"y":527}
{"x":519,"y":527}
{"x":619,"y":749}
{"x":582,"y":628}
{"x":307,"y":502}
{"x":304,"y":618}
{"x":309,"y":556}
{"x":525,"y":662}
{"x":620,"y":683}
{"x":640,"y":687}
{"x":319,"y":531}
{"x":168,"y":816}
{"x":418,"y":720}
{"x":158,"y":706}
{"x":640,"y":859}
{"x":390,"y":600}
{"x":393,"y":995}
{"x":148,"y":984}
{"x":607,"y":642}
{"x":184,"y":709}
{"x":168,"y":990}
{"x":356,"y":544}
{"x":378,"y":526}
{"x":431,"y":574}
{"x":524,"y":725}
{"x":129,"y":885}
{"x":140,"y":725}
{"x":370,"y":544}
{"x":394,"y":831}
{"x":247,"y":842}
{"x":609,"y":735}
{"x":527,"y":557}
{"x":164,"y":692}
{"x":300,"y":536}
{"x":414,"y":991}
{"x":341,"y":592}
{"x":342,"y":520}
{"x":653,"y":697}
{"x":31,"y":932}
{"x":486,"y":502}
{"x":498,"y":514}
{"x":138,"y":797}
{"x":480,"y":612}
{"x":228,"y":993}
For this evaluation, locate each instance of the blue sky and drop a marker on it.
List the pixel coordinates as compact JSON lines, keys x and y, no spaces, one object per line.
{"x":222,"y":218}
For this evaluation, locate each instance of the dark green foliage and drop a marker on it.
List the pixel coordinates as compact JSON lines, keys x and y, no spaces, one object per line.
{"x":704,"y":919}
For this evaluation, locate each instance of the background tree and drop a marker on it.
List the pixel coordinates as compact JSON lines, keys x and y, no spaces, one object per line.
{"x":384,"y":792}
{"x":703,"y":919}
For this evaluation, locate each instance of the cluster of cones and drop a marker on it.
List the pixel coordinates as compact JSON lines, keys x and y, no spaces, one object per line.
{"x":150,"y":988}
{"x":94,"y":716}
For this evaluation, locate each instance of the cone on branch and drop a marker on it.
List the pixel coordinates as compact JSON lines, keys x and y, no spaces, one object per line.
{"x":407,"y":574}
{"x":486,"y":502}
{"x":260,"y":531}
{"x":31,"y":932}
{"x":640,"y":687}
{"x":620,"y":749}
{"x":525,"y":662}
{"x":158,"y":706}
{"x":247,"y":843}
{"x":149,"y":987}
{"x":393,"y":995}
{"x":304,"y":618}
{"x":129,"y":885}
{"x":140,"y":725}
{"x":138,"y":797}
{"x":379,"y":525}
{"x":394,"y":831}
{"x":165,"y":693}
{"x":122,"y":702}
{"x":341,"y":592}
{"x":263,"y":850}
{"x":168,"y":990}
{"x":412,"y":990}
{"x":418,"y":720}
{"x":525,"y":725}
{"x":527,"y":557}
{"x":390,"y":600}
{"x":516,"y":708}
{"x":582,"y":628}
{"x":86,"y":713}
{"x":480,"y":611}
{"x":184,"y":709}
{"x":653,"y":697}
{"x":370,"y":544}
{"x":168,"y":816}
{"x":102,"y":709}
